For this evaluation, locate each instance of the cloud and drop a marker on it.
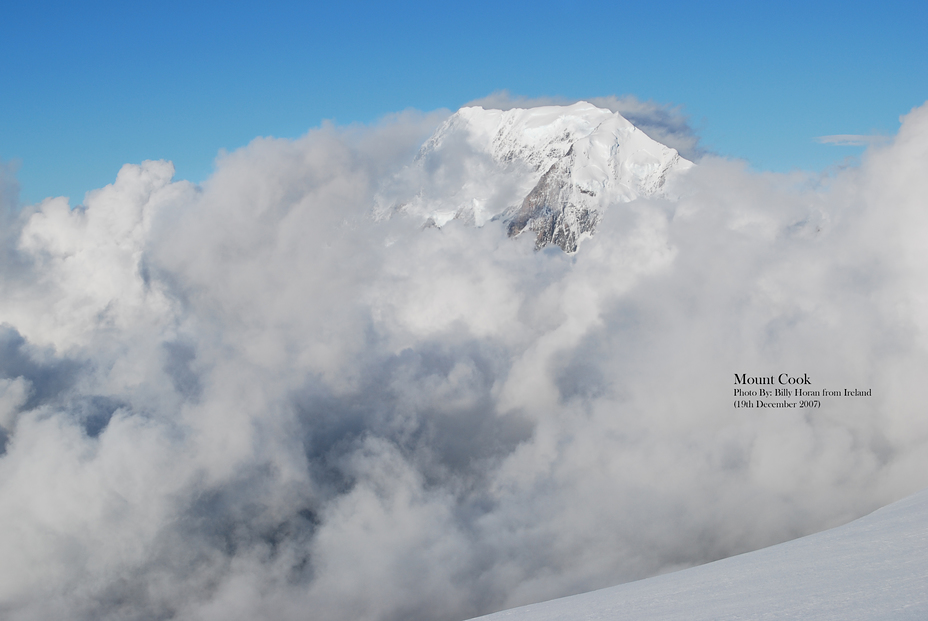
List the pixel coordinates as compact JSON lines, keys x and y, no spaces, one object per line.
{"x":853,"y":140}
{"x":252,"y":399}
{"x":504,"y":100}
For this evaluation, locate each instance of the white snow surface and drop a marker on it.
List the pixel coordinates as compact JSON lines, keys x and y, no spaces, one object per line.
{"x":875,"y":567}
{"x":481,"y":164}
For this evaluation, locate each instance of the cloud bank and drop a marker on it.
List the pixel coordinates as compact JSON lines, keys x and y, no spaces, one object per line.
{"x":252,"y":399}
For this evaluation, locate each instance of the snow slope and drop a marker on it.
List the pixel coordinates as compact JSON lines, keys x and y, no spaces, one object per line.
{"x":873,"y":568}
{"x":553,"y":170}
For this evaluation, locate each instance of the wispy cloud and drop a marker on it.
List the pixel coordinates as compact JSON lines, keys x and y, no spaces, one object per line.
{"x":854,"y":140}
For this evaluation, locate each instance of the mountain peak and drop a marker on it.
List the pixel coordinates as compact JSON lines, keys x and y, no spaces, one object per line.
{"x":553,"y":170}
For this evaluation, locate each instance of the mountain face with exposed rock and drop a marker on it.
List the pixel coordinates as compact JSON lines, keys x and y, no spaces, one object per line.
{"x":551,"y":170}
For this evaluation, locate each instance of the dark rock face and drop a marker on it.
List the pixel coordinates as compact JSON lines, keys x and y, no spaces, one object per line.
{"x":549,"y":211}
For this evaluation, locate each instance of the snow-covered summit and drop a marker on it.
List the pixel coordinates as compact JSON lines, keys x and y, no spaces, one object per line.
{"x":553,"y":170}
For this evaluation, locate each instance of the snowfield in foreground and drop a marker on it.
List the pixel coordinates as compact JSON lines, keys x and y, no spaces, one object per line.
{"x":873,"y":568}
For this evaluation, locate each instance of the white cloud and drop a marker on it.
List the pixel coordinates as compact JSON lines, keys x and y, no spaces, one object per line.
{"x":251,"y":399}
{"x":853,"y":140}
{"x":14,"y":393}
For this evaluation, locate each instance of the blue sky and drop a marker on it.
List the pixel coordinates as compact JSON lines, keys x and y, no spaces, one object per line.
{"x":89,"y":87}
